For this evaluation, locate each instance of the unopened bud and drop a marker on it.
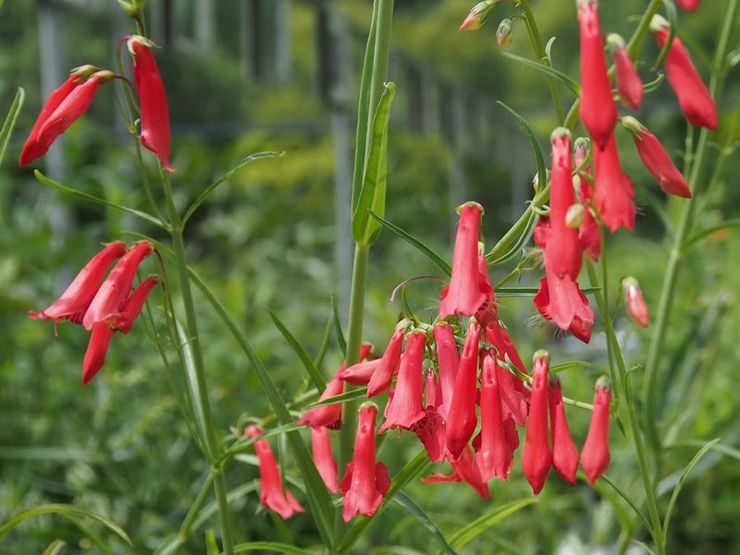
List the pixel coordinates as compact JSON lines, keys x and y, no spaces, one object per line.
{"x":615,"y":41}
{"x":104,"y":74}
{"x":658,"y":23}
{"x":536,"y":182}
{"x":574,"y":216}
{"x":633,"y":125}
{"x":503,"y":33}
{"x":636,"y":306}
{"x":131,"y":8}
{"x":477,"y":16}
{"x":580,"y":150}
{"x":84,"y":70}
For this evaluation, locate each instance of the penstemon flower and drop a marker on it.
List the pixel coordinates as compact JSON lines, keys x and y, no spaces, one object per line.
{"x":636,"y":306}
{"x":448,"y":359}
{"x":613,"y":191}
{"x":388,"y":366}
{"x":595,"y":452}
{"x":495,"y":455}
{"x":564,"y":450}
{"x":537,"y":453}
{"x":405,"y":408}
{"x":323,"y":457}
{"x":629,"y":84}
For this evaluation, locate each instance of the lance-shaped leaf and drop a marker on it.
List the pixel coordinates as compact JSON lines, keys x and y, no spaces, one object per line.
{"x":9,"y":122}
{"x":313,"y":371}
{"x":411,"y":507}
{"x":372,"y":194}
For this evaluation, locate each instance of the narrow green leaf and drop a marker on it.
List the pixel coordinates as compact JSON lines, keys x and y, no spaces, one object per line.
{"x":645,"y":522}
{"x":411,"y":507}
{"x":54,"y":548}
{"x":706,"y":232}
{"x":271,"y":547}
{"x":532,"y":138}
{"x":213,"y":186}
{"x":547,"y":70}
{"x":245,"y":443}
{"x":645,"y":546}
{"x":470,"y":531}
{"x":655,"y":83}
{"x":372,"y":193}
{"x":211,"y":545}
{"x":679,"y":485}
{"x":416,"y":243}
{"x":65,"y":511}
{"x":97,"y":200}
{"x":338,"y":331}
{"x":10,"y":120}
{"x":342,"y":398}
{"x":571,"y":365}
{"x":313,"y":372}
{"x":318,"y":496}
{"x":318,"y":360}
{"x":90,"y":534}
{"x":719,"y":448}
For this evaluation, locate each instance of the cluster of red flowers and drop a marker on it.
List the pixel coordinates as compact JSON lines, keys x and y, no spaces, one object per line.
{"x":72,"y":99}
{"x":103,"y":305}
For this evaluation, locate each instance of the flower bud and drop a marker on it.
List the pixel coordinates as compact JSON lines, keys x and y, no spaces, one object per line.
{"x":477,"y":16}
{"x":580,"y":150}
{"x":636,"y":306}
{"x":503,"y":33}
{"x":629,"y":84}
{"x":574,"y":216}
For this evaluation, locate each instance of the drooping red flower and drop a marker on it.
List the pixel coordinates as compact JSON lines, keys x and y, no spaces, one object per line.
{"x":73,"y":303}
{"x":461,"y":418}
{"x":495,"y":456}
{"x":656,"y":159}
{"x":360,"y":373}
{"x":383,"y":374}
{"x":448,"y":360}
{"x":405,"y":408}
{"x":272,"y":493}
{"x":464,"y":295}
{"x":66,"y":105}
{"x":629,"y":83}
{"x":537,"y":454}
{"x":614,"y":191}
{"x":597,"y":110}
{"x":326,"y":416}
{"x":688,"y":5}
{"x":559,"y":298}
{"x":693,"y":95}
{"x":636,"y":305}
{"x":595,"y":453}
{"x":366,"y":481}
{"x":109,"y":300}
{"x":132,"y":306}
{"x":97,"y":350}
{"x":431,"y":429}
{"x":464,"y":468}
{"x":564,"y":450}
{"x":323,"y":457}
{"x":155,"y":114}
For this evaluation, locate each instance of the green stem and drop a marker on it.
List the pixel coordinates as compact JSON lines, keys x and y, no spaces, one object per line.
{"x":538,"y":44}
{"x":201,"y":389}
{"x":686,"y":221}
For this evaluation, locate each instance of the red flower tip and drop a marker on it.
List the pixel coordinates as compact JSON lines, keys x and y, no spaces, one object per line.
{"x":272,"y":494}
{"x":595,"y":453}
{"x":360,"y":373}
{"x":537,"y":455}
{"x":495,"y":456}
{"x":564,"y":450}
{"x":326,"y":416}
{"x":405,"y":407}
{"x":448,"y":360}
{"x":388,"y":366}
{"x":597,"y":110}
{"x":693,"y":95}
{"x":323,"y":458}
{"x":688,"y":5}
{"x":132,"y":306}
{"x":97,"y":349}
{"x":366,"y":481}
{"x":629,"y":84}
{"x":613,"y":192}
{"x":155,"y":115}
{"x":464,"y":295}
{"x":636,"y":306}
{"x":74,"y":302}
{"x":477,"y":16}
{"x":461,"y":418}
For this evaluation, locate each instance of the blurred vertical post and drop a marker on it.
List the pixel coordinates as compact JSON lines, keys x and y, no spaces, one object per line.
{"x":334,"y":88}
{"x":205,"y":24}
{"x":283,"y":42}
{"x":452,"y":115}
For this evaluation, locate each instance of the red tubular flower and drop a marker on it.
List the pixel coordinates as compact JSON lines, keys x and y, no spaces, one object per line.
{"x":537,"y":455}
{"x":155,"y":115}
{"x":636,"y":306}
{"x":461,"y":419}
{"x":688,"y":5}
{"x":360,"y":373}
{"x":323,"y":457}
{"x":108,"y":302}
{"x":405,"y":407}
{"x":495,"y":456}
{"x":133,"y":305}
{"x":431,"y":429}
{"x":629,"y":84}
{"x":564,"y":450}
{"x":97,"y":349}
{"x":464,"y":295}
{"x":595,"y":453}
{"x":383,"y":374}
{"x":598,"y":110}
{"x":588,"y":233}
{"x":66,"y":105}
{"x":614,"y":191}
{"x":73,"y":303}
{"x":326,"y":416}
{"x":693,"y":96}
{"x":272,"y":494}
{"x":464,"y":469}
{"x":366,"y":481}
{"x":448,"y":360}
{"x":559,"y":298}
{"x":656,"y":159}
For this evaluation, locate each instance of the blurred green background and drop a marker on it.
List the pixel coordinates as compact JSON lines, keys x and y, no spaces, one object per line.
{"x":248,"y":76}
